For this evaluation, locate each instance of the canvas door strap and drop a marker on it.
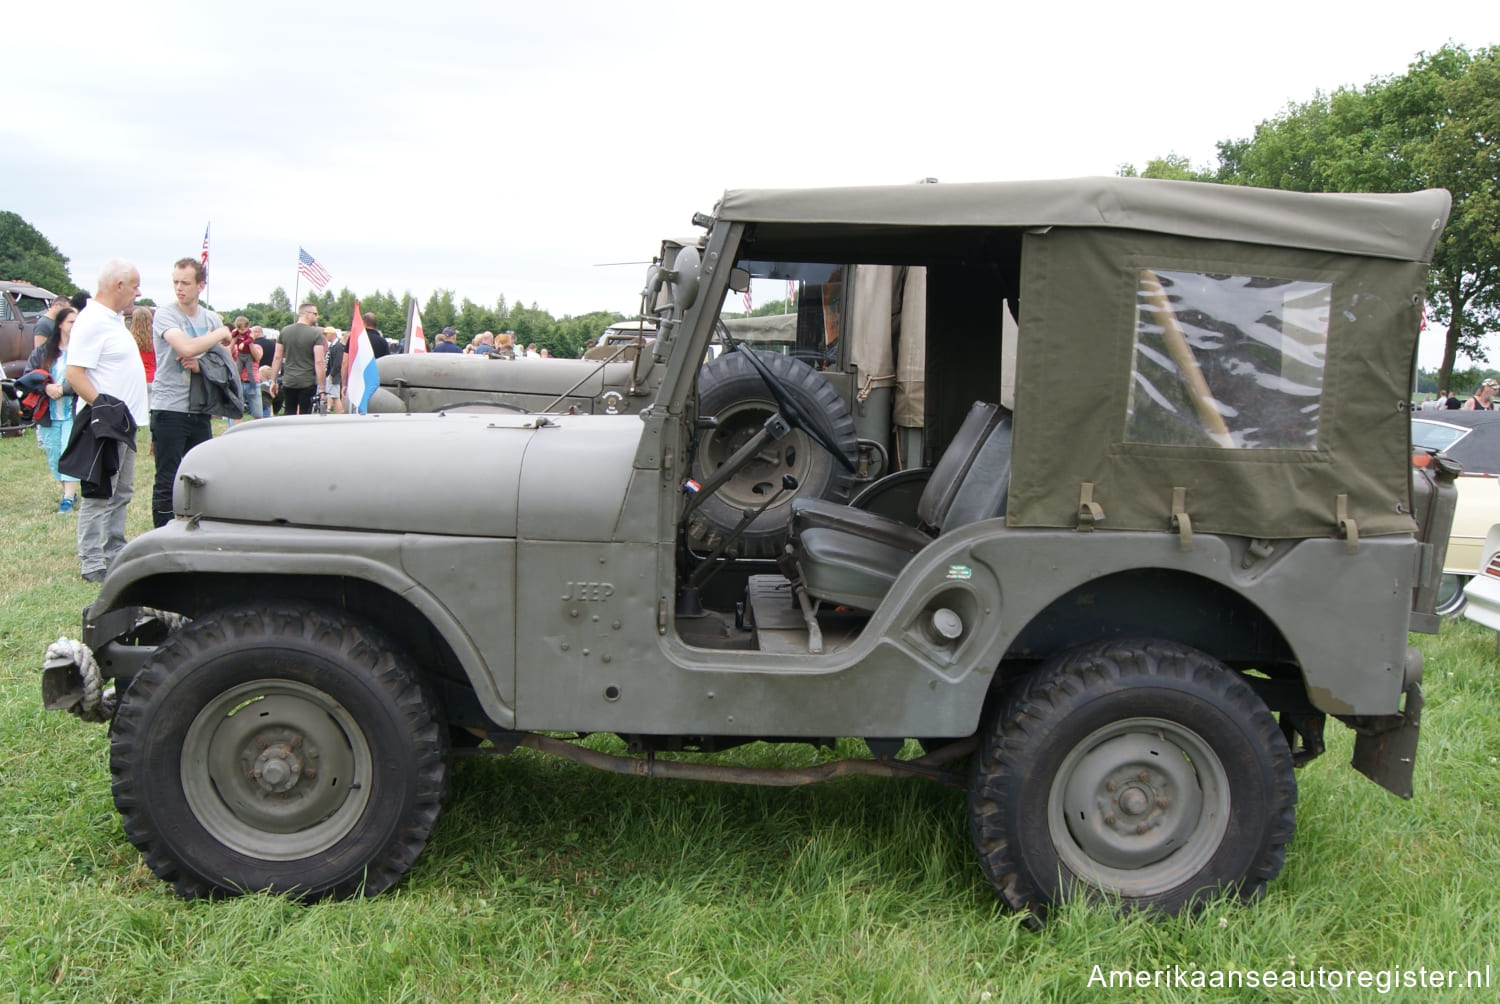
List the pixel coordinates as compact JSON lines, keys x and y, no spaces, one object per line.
{"x":1347,"y":526}
{"x":1181,"y":521}
{"x":1089,"y":511}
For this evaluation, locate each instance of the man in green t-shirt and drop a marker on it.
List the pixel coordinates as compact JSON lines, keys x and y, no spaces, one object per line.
{"x":298,"y":365}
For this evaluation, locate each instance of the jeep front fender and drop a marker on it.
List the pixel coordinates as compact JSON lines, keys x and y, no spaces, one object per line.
{"x":463,"y":588}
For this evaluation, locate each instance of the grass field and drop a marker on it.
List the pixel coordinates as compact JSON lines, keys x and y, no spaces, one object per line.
{"x":546,"y":881}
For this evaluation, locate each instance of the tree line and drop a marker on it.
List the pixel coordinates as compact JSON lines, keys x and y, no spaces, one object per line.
{"x":564,"y":337}
{"x":1462,"y":382}
{"x":1435,"y":126}
{"x":26,"y":253}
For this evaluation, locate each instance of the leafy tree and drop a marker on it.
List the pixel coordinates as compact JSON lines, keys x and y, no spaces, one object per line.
{"x":438,"y":312}
{"x":472,"y":319}
{"x":27,"y":255}
{"x":1173,"y":167}
{"x":1435,"y":126}
{"x":572,"y":335}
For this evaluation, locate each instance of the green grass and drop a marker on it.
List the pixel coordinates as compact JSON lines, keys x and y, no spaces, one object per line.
{"x":547,"y":881}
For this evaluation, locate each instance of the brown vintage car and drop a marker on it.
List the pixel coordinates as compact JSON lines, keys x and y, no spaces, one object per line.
{"x":21,"y":304}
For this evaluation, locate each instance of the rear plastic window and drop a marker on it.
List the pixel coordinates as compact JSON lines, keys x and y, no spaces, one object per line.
{"x":1232,"y":361}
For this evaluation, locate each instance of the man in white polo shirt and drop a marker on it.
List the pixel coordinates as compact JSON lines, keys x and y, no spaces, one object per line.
{"x":103,"y":359}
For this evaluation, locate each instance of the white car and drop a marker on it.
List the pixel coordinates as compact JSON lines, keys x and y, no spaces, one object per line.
{"x":1472,"y":438}
{"x":1482,"y":594}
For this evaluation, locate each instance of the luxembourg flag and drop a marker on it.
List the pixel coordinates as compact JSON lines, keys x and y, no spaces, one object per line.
{"x":363,"y":376}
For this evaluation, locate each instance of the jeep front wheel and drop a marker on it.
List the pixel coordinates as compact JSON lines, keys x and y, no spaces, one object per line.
{"x":1147,"y":771}
{"x":283,"y":749}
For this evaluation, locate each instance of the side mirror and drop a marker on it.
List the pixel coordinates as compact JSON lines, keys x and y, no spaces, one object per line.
{"x":739,"y":279}
{"x":652,"y":292}
{"x":682,"y":279}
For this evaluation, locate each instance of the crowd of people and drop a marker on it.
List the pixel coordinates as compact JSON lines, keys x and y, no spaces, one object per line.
{"x":487,"y":343}
{"x":108,"y":368}
{"x":1483,"y":399}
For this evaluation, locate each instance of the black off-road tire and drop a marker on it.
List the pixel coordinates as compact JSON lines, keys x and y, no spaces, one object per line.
{"x":730,"y":390}
{"x":1143,"y":770}
{"x":280,"y":748}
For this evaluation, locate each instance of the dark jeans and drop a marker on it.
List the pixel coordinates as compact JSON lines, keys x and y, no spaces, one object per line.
{"x":173,"y":433}
{"x":299,"y":400}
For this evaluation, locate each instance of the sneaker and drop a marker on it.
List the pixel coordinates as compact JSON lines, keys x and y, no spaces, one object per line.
{"x":66,"y":505}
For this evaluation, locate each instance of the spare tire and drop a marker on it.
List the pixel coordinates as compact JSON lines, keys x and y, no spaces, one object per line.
{"x":731,"y":391}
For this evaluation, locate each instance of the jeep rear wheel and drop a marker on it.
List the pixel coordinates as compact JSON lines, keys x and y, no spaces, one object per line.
{"x":731,"y":391}
{"x":281,"y":749}
{"x":1146,"y":771}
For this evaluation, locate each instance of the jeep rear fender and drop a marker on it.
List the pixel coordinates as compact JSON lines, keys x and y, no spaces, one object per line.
{"x":1346,"y":670}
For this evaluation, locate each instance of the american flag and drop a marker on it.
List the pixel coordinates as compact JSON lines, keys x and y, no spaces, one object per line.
{"x":205,"y":246}
{"x":316,"y":274}
{"x":749,"y":303}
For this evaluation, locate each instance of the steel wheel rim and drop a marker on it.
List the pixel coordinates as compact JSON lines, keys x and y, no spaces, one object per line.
{"x":736,"y":427}
{"x":1451,"y":598}
{"x":1139,"y":806}
{"x":276,"y":769}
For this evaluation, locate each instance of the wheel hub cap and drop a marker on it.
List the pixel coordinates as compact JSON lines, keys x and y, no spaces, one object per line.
{"x":279,"y":767}
{"x":276,"y":769}
{"x":1139,"y":806}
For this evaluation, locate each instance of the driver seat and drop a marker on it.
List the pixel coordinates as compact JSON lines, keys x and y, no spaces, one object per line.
{"x":852,"y":556}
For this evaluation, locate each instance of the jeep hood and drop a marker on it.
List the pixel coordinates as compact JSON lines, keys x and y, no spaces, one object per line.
{"x":458,"y":474}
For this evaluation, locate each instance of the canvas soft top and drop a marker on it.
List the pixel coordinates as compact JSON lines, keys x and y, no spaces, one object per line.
{"x":1404,"y":227}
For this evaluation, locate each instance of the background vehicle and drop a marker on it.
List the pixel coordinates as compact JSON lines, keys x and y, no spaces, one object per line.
{"x":1481,"y":591}
{"x":1472,"y":440}
{"x":1131,"y":600}
{"x":619,"y":373}
{"x":21,"y":304}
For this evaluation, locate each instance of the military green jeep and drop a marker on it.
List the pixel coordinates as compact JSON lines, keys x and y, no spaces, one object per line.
{"x":1171,"y":525}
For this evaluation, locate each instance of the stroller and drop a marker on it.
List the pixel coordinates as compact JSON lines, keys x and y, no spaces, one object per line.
{"x":12,"y":422}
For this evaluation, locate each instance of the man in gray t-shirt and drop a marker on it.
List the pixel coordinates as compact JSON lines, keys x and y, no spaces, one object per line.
{"x":181,"y":332}
{"x":299,"y":362}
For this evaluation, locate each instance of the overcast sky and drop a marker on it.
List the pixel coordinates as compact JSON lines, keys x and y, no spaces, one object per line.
{"x":510,"y":148}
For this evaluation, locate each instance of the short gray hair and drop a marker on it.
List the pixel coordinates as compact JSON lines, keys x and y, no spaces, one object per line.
{"x":115,"y":270}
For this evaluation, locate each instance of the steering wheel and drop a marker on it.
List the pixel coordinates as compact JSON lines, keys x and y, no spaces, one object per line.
{"x":815,"y":426}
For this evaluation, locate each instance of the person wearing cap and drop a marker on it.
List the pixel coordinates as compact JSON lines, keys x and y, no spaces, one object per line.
{"x":448,"y":341}
{"x":1484,"y":397}
{"x":333,"y":387}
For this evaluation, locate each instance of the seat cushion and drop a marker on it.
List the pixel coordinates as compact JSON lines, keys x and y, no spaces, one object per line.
{"x":821,"y":514}
{"x":840,"y":567}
